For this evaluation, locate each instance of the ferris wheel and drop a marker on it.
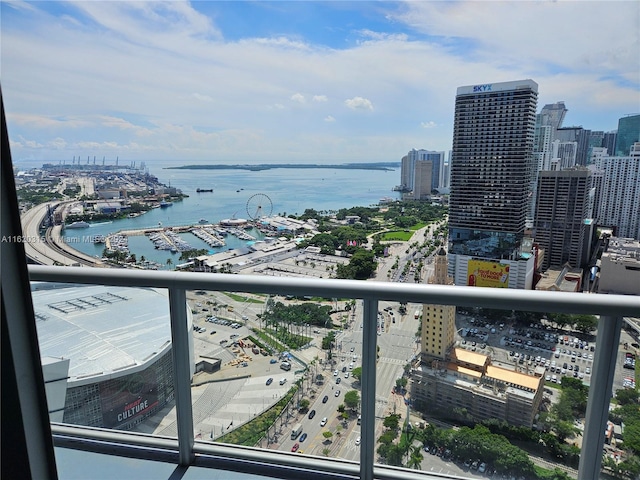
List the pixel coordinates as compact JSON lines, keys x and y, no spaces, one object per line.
{"x":258,"y":206}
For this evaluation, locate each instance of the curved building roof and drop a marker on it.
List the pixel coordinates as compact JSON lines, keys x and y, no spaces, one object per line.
{"x":104,"y":331}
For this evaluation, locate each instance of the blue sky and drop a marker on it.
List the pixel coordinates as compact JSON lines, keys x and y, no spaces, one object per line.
{"x":252,"y":82}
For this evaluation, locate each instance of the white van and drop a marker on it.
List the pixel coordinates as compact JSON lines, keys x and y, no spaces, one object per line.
{"x":283,"y":381}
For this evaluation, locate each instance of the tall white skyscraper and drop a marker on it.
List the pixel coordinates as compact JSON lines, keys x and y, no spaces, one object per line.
{"x":620,"y":197}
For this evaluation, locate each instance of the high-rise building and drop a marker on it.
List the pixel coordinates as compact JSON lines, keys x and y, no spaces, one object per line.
{"x":595,"y":141}
{"x":563,"y":217}
{"x":492,"y":174}
{"x":620,"y":193}
{"x":415,"y":187}
{"x":578,"y":135}
{"x":628,"y":134}
{"x":438,"y":321}
{"x":423,"y":180}
{"x":609,"y":142}
{"x":563,"y":155}
{"x":547,"y":122}
{"x":552,"y":114}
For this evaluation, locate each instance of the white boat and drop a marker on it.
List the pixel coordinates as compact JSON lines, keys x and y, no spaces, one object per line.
{"x":203,"y":221}
{"x":77,"y":225}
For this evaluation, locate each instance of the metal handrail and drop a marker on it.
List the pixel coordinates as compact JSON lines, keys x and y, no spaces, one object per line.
{"x":611,"y":308}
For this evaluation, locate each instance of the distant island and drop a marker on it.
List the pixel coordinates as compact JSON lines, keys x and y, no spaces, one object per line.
{"x":383,"y":166}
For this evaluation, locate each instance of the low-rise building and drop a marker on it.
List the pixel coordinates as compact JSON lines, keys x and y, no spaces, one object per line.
{"x":469,"y":383}
{"x":566,"y":279}
{"x":620,"y":267}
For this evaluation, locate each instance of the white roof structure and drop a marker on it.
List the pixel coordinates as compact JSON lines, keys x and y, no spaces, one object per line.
{"x":105,"y":332}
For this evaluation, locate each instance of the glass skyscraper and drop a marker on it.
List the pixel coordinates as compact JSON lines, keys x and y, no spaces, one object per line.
{"x":628,"y":134}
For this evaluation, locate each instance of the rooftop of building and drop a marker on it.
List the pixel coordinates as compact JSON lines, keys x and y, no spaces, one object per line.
{"x":466,"y":356}
{"x":102,"y":330}
{"x":565,"y":279}
{"x":623,"y":247}
{"x":245,"y":255}
{"x":511,"y":377}
{"x":452,"y":367}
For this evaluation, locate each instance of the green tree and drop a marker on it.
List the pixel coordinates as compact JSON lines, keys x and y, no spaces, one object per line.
{"x":189,"y":254}
{"x":415,"y":460}
{"x":565,"y":429}
{"x":352,"y":399}
{"x":388,"y":437}
{"x":169,"y":261}
{"x":304,"y":405}
{"x":357,"y":373}
{"x":395,"y":454}
{"x":401,"y":383}
{"x":585,"y":323}
{"x":327,"y":434}
{"x":360,"y":267}
{"x":392,"y":422}
{"x":627,"y":396}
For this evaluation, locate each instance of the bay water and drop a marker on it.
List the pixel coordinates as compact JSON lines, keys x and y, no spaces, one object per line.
{"x":237,"y":194}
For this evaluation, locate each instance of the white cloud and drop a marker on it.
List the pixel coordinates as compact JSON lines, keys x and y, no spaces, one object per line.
{"x":359,"y":103}
{"x":58,"y":143}
{"x":202,"y":98}
{"x":46,"y":121}
{"x":382,"y":36}
{"x":586,"y":36}
{"x":141,"y":76}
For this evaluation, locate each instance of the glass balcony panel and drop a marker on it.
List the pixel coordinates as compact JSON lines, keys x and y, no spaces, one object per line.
{"x":499,"y":335}
{"x":106,"y":354}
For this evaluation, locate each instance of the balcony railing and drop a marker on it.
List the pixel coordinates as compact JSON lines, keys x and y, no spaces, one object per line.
{"x":185,"y":451}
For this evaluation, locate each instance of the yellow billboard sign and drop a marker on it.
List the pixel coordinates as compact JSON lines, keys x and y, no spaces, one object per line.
{"x":482,"y":273}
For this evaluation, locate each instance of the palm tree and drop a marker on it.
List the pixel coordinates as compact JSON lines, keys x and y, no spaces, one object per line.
{"x":415,"y":461}
{"x":169,"y":261}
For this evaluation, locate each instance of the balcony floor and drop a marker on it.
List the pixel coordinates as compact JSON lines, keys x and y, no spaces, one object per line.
{"x":82,"y":465}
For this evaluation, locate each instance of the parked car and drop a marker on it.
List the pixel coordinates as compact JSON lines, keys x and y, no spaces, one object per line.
{"x":269,"y":381}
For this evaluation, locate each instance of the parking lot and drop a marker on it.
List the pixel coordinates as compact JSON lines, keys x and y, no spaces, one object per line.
{"x":536,"y":349}
{"x":544,"y":350}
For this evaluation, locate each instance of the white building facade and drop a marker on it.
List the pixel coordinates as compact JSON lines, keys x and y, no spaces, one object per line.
{"x":620,"y":194}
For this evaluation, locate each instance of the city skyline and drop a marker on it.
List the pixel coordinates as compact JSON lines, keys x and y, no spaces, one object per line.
{"x":325,"y":82}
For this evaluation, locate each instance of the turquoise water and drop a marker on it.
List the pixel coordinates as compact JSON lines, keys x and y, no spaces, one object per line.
{"x":290,"y":191}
